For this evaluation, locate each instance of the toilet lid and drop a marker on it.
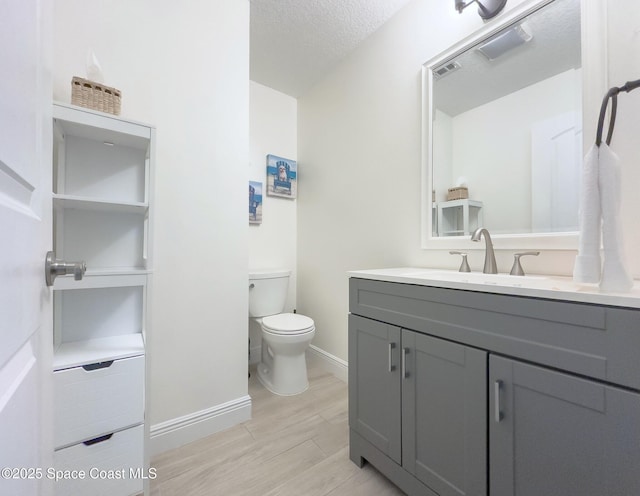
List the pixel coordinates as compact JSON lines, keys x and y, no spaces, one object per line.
{"x":287,"y":323}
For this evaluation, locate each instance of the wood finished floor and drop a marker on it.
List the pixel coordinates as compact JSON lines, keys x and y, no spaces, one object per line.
{"x":293,"y":446}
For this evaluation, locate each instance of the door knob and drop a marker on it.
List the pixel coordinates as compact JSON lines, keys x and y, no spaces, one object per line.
{"x":54,"y":268}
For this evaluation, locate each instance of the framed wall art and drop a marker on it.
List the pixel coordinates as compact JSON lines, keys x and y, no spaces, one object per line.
{"x":282,"y":177}
{"x":255,"y":202}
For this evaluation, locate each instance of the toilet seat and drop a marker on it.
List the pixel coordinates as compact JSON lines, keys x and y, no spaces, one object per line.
{"x":287,"y":324}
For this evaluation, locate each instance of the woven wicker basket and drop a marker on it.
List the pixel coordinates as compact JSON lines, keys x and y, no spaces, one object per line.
{"x":459,"y":193}
{"x":95,"y":96}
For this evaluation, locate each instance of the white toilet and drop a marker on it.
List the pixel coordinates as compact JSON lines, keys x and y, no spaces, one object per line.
{"x":285,"y":336}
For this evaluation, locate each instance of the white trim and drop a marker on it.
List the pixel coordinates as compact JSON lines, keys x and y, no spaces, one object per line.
{"x":182,"y":430}
{"x":328,"y":362}
{"x":595,"y":65}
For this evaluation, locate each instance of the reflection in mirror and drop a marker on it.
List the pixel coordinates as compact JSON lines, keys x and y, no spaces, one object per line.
{"x":507,"y":128}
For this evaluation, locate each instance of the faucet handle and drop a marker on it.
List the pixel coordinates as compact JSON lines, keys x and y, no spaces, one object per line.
{"x":516,"y":270}
{"x":464,"y":266}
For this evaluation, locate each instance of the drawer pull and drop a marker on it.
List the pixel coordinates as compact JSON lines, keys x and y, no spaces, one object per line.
{"x":97,"y":440}
{"x":98,"y":365}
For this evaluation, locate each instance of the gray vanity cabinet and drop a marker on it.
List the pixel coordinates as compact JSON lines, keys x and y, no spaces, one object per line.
{"x":559,"y":435}
{"x":455,"y":392}
{"x":420,"y":401}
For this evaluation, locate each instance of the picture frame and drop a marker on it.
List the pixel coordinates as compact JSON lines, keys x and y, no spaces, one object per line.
{"x":282,"y":177}
{"x":255,"y":202}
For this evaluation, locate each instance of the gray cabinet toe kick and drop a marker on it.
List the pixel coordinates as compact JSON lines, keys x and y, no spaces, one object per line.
{"x":455,"y":392}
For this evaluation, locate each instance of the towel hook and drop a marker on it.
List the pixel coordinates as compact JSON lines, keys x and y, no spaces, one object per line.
{"x":613,"y":95}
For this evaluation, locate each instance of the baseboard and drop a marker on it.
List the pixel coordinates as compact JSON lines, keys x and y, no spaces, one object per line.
{"x":326,"y":361}
{"x":182,"y":430}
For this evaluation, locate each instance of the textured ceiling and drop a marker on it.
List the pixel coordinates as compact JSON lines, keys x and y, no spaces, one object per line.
{"x":295,"y":42}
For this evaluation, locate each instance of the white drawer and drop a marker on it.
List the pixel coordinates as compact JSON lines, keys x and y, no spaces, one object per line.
{"x":110,"y":467}
{"x":89,"y":403}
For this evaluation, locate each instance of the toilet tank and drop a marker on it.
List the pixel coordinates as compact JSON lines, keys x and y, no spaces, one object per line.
{"x":267,"y":291}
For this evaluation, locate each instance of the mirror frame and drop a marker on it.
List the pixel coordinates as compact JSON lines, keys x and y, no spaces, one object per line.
{"x":594,"y":85}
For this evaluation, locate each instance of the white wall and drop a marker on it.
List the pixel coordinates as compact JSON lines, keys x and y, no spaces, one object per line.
{"x":186,"y":71}
{"x":360,"y":141}
{"x":359,"y":136}
{"x":624,"y":65}
{"x":272,"y":244}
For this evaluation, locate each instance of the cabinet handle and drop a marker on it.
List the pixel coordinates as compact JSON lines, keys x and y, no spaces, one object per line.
{"x":98,"y":365}
{"x":497,"y":414}
{"x":405,"y":352}
{"x":97,"y":440}
{"x":392,"y":367}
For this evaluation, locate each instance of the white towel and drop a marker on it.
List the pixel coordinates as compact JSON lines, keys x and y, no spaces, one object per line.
{"x":600,"y":211}
{"x":615,"y":276}
{"x":587,"y":266}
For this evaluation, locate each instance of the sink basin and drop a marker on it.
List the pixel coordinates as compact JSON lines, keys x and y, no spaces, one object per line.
{"x":536,"y":282}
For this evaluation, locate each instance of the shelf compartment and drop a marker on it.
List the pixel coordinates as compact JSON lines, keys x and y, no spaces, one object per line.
{"x":87,"y":203}
{"x":100,"y":158}
{"x":102,"y":239}
{"x":121,"y":451}
{"x":83,"y":318}
{"x":459,"y":217}
{"x":105,"y":278}
{"x":78,"y":353}
{"x":98,"y":169}
{"x":97,"y":399}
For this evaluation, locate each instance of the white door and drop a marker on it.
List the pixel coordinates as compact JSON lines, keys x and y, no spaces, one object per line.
{"x":556,"y":145}
{"x":25,"y":236}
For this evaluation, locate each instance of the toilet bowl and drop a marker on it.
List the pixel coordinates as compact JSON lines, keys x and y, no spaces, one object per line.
{"x":285,"y":336}
{"x":283,"y":366}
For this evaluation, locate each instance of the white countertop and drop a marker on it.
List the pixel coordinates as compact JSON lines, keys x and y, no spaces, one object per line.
{"x":536,"y":286}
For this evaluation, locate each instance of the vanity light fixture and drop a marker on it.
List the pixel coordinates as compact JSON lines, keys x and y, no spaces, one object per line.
{"x":486,"y":8}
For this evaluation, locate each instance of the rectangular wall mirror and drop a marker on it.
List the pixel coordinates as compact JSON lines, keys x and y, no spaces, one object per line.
{"x":502,"y":118}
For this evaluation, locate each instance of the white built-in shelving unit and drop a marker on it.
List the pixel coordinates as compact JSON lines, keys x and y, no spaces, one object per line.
{"x":459,"y":217}
{"x":103,"y":177}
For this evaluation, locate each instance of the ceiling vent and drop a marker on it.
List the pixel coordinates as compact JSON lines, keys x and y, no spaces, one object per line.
{"x":448,"y":68}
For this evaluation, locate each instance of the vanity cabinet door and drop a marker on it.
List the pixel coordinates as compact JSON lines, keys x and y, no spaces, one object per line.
{"x":559,"y":435}
{"x":374,"y":384}
{"x":444,"y":395}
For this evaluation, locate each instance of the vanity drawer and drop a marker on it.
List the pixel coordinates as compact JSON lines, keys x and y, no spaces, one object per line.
{"x":111,"y":466}
{"x":97,"y":399}
{"x":596,"y":341}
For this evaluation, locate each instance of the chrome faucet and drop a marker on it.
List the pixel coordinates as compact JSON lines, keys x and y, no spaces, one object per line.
{"x":490,"y":266}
